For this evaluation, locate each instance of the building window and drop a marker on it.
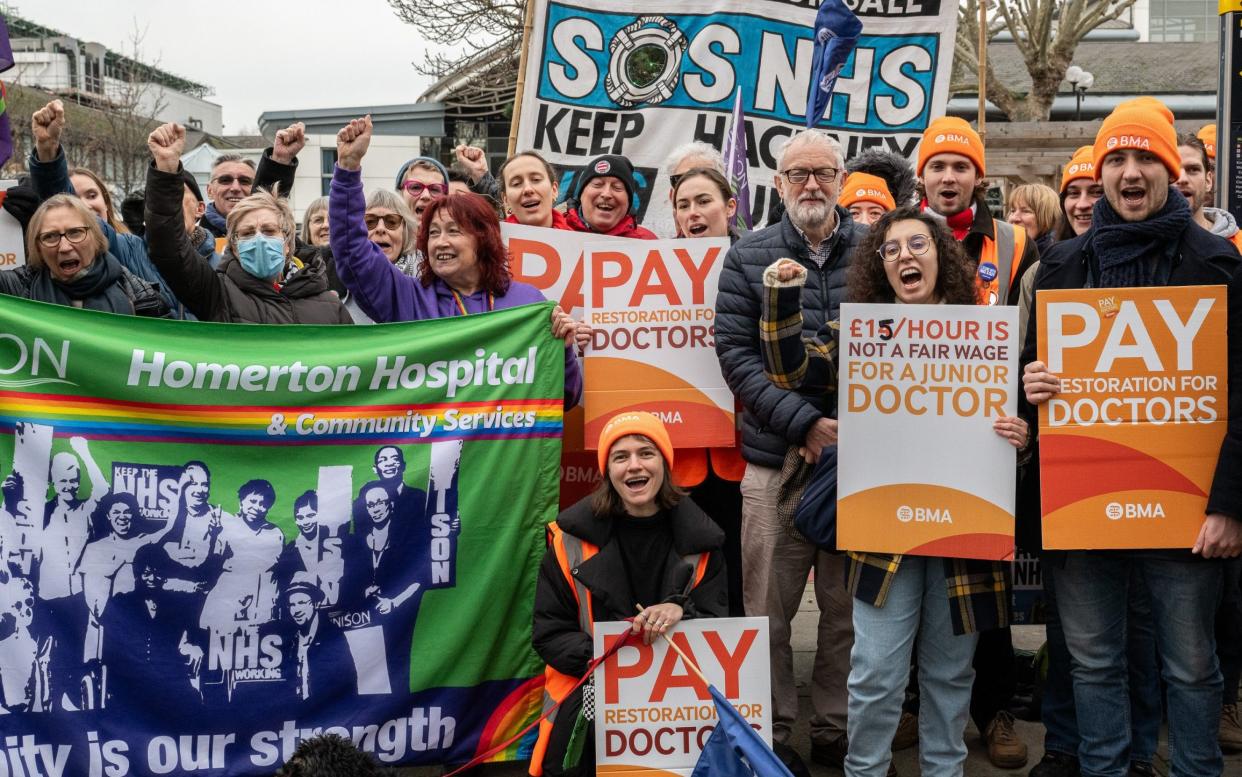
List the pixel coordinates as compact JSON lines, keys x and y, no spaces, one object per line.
{"x":1182,"y":21}
{"x":327,"y":162}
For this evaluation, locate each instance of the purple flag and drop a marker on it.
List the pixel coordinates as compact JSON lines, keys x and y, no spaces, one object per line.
{"x":6,"y":62}
{"x":737,"y":167}
{"x":836,"y":33}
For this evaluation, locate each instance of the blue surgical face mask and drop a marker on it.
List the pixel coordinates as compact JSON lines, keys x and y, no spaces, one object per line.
{"x":262,"y":256}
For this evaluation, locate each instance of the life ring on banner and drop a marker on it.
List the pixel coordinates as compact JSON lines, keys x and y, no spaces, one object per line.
{"x":630,"y":39}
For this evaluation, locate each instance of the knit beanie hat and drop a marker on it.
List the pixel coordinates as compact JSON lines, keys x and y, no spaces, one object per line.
{"x":1081,"y":166}
{"x":1147,"y":101}
{"x":425,"y":160}
{"x":1208,"y":136}
{"x":861,"y":187}
{"x":604,"y":166}
{"x":1138,"y":126}
{"x":634,"y":422}
{"x":951,"y":135}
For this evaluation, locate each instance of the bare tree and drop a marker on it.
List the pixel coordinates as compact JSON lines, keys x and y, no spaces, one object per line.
{"x":467,"y":27}
{"x":133,"y":100}
{"x":1046,"y":34}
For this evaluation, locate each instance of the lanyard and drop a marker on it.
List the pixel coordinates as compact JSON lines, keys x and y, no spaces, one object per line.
{"x":491,"y":302}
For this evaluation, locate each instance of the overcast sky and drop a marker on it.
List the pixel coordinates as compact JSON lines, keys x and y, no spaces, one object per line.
{"x":258,"y":55}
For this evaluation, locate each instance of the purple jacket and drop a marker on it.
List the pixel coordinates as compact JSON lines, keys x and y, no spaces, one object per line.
{"x":386,"y":294}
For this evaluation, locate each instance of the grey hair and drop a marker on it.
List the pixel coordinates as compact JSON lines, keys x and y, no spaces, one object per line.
{"x":312,"y":209}
{"x":696,"y":148}
{"x":232,"y":158}
{"x":390,"y":200}
{"x":811,"y":138}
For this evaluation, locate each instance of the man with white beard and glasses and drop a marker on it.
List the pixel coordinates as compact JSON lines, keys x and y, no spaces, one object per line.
{"x":777,"y":423}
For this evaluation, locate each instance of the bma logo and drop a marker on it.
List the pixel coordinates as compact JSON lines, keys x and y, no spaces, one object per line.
{"x":953,"y":138}
{"x":1133,"y":510}
{"x":1128,"y":141}
{"x":940,"y":138}
{"x":905,"y":514}
{"x":860,"y":193}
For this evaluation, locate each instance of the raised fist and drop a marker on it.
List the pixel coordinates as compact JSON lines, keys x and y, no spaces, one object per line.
{"x":352,"y":143}
{"x":289,"y":143}
{"x":167,"y":144}
{"x":474,"y":160}
{"x":47,"y":123}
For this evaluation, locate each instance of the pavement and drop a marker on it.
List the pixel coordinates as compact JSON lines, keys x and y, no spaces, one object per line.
{"x":977,"y":765}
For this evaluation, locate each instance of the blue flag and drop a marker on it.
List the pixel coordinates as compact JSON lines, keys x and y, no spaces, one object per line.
{"x":735,"y":749}
{"x":836,"y":33}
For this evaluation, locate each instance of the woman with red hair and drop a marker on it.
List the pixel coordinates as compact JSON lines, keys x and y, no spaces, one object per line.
{"x":465,"y":266}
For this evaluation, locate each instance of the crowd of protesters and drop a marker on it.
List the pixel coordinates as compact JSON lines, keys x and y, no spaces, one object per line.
{"x":698,"y":533}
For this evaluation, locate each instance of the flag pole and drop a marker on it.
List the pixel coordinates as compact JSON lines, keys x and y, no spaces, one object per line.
{"x":690,"y":663}
{"x":983,"y":66}
{"x":520,"y":89}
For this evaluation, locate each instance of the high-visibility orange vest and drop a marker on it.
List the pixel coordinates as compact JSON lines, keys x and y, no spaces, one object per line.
{"x":691,"y":466}
{"x":1236,"y":239}
{"x":998,"y":263}
{"x":570,"y":552}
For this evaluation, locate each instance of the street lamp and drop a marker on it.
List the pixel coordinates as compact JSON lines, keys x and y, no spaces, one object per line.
{"x":1080,"y":81}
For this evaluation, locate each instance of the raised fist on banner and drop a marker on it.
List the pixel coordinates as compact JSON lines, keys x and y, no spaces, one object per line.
{"x":167,"y":144}
{"x":352,"y":143}
{"x":474,"y":160}
{"x":46,"y":124}
{"x":289,"y":143}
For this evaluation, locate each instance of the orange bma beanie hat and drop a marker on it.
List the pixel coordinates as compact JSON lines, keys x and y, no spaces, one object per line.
{"x":1139,"y":127}
{"x":864,"y":187}
{"x":634,"y":422}
{"x":951,"y":135}
{"x":1081,"y":166}
{"x":1208,"y":136}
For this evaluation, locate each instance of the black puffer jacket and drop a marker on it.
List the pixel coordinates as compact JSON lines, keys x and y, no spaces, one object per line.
{"x":556,"y":635}
{"x":773,"y":419}
{"x":229,"y":293}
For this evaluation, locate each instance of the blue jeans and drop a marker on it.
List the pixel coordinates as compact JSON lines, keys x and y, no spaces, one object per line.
{"x":1057,"y":710}
{"x":917,"y":604}
{"x":1093,"y":593}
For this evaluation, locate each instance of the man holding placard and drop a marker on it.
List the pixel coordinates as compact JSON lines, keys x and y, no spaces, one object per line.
{"x":1129,"y":378}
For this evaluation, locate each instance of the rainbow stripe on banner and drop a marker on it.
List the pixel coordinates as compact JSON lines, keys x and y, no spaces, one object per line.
{"x":114,"y":419}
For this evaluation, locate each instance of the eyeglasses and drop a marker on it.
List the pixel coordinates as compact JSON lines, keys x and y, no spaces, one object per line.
{"x":392,"y":221}
{"x":917,"y":245}
{"x":415,"y":188}
{"x":74,"y":235}
{"x":801,"y":174}
{"x":227,"y":180}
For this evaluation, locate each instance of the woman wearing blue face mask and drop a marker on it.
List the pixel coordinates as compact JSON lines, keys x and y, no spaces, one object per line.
{"x":258,"y":280}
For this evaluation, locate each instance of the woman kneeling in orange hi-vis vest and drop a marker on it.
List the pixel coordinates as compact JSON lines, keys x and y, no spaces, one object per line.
{"x":636,"y":540}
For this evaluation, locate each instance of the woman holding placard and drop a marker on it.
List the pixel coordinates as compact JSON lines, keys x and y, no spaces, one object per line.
{"x":635,"y":545}
{"x":907,"y":258}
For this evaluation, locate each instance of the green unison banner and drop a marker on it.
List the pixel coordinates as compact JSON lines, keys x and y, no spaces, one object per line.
{"x":218,"y":540}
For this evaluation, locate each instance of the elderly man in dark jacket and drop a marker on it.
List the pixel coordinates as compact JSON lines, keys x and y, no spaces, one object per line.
{"x":247,"y":286}
{"x":1143,"y":234}
{"x":777,"y":424}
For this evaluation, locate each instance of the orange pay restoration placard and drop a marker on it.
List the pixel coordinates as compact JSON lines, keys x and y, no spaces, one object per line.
{"x":1129,"y":446}
{"x":651,"y":305}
